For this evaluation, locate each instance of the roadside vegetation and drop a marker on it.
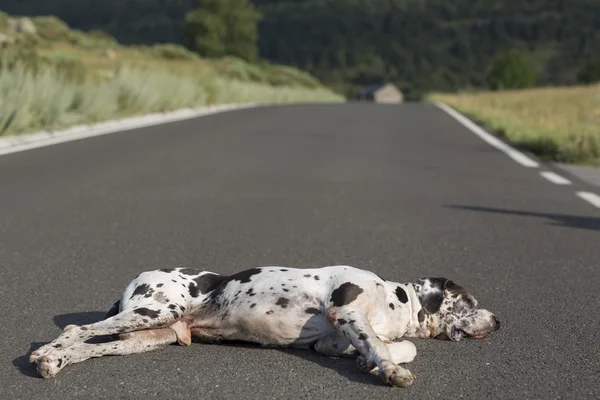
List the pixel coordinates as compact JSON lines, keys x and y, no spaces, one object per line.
{"x":52,"y":76}
{"x":557,"y":123}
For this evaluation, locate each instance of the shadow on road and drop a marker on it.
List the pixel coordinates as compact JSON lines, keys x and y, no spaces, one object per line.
{"x":345,"y":366}
{"x":22,"y":362}
{"x":570,"y":221}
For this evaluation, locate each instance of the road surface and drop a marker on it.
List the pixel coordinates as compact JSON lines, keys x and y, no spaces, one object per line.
{"x":405,"y":191}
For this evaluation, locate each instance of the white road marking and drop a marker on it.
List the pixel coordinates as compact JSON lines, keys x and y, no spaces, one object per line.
{"x":15,"y":143}
{"x":590,"y":197}
{"x":555,"y":178}
{"x":497,"y":143}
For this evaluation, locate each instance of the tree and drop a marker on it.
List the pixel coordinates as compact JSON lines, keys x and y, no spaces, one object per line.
{"x":217,"y":28}
{"x":590,"y":72}
{"x":510,"y":70}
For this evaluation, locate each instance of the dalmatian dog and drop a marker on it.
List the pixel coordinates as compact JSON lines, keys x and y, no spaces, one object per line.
{"x":336,"y":310}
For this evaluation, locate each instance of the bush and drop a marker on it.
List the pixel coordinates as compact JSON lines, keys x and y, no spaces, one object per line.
{"x":590,"y":72}
{"x":172,"y":52}
{"x":510,"y":70}
{"x":71,"y":69}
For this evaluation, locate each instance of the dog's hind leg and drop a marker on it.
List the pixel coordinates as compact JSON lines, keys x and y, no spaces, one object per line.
{"x":160,"y":316}
{"x":51,"y":363}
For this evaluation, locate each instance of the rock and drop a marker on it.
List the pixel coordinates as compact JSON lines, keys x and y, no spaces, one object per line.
{"x":23,"y":26}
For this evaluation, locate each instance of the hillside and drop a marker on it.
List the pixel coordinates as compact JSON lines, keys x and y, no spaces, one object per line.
{"x":421,"y":45}
{"x":53,"y":76}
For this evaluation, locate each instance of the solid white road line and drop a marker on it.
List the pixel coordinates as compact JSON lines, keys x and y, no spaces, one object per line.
{"x":590,"y":197}
{"x":555,"y":178}
{"x":497,"y":143}
{"x":16,"y":143}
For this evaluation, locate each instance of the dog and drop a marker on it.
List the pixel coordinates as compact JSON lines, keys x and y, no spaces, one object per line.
{"x":336,"y":310}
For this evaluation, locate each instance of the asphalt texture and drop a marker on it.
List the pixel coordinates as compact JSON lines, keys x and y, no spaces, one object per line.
{"x":402,"y":190}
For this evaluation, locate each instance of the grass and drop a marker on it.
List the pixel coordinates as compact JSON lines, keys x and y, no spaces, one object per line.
{"x":558,"y":124}
{"x":48,"y":99}
{"x":61,"y":77}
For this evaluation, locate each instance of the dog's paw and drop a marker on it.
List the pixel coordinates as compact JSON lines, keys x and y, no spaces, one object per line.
{"x":42,"y":351}
{"x":395,"y":375}
{"x":365,"y":366}
{"x":49,"y":365}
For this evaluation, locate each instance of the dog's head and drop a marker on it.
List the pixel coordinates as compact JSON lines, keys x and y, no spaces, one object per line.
{"x":451,"y":311}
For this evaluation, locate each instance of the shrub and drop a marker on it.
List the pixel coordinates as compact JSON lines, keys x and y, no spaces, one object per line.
{"x":590,"y":72}
{"x":172,"y":52}
{"x":510,"y":70}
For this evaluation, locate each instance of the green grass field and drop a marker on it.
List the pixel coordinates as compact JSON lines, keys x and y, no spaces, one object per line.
{"x":558,"y":124}
{"x":60,"y":77}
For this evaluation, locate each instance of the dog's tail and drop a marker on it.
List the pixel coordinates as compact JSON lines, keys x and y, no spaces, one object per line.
{"x":113,"y":310}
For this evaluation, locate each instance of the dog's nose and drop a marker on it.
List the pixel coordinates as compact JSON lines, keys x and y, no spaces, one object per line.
{"x":496,"y":323}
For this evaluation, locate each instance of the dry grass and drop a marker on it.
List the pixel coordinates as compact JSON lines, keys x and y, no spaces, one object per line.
{"x":560,"y":124}
{"x":60,"y":77}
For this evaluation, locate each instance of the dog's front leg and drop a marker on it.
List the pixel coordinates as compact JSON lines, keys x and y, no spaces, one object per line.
{"x":355,"y":327}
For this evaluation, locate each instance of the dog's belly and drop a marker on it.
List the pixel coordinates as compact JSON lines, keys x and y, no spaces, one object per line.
{"x":279,"y":330}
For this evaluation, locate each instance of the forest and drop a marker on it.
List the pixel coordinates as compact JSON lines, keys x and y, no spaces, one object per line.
{"x":421,"y":45}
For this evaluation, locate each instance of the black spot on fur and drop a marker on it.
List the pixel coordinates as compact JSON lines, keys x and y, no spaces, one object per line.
{"x":145,"y":320}
{"x":392,"y":306}
{"x":173,"y":280}
{"x":249,"y":291}
{"x":60,"y":361}
{"x":182,"y":308}
{"x":317,"y":277}
{"x":57,"y":346}
{"x":363,"y":336}
{"x":146,"y":312}
{"x":160,"y":285}
{"x":286,"y":290}
{"x":172,"y":306}
{"x":307,"y":275}
{"x":401,"y":295}
{"x":84,"y":328}
{"x":282,"y":302}
{"x":283,"y":270}
{"x":345,"y":294}
{"x":216,"y":284}
{"x":269,"y":312}
{"x":341,"y":321}
{"x":421,"y":315}
{"x":433,"y":299}
{"x":352,"y":321}
{"x":193,"y":289}
{"x":140,"y":290}
{"x":312,"y":310}
{"x":378,"y":284}
{"x":252,"y":305}
{"x":175,"y":313}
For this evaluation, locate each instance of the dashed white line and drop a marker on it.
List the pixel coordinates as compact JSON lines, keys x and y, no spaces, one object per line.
{"x":497,"y":143}
{"x":555,"y":178}
{"x":590,"y":197}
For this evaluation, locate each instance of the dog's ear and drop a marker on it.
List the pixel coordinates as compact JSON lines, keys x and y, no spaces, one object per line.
{"x":457,"y":290}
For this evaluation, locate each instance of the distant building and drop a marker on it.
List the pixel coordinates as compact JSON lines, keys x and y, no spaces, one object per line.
{"x":381,"y":93}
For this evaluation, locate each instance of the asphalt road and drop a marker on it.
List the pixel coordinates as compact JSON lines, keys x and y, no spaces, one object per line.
{"x":402,"y":190}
